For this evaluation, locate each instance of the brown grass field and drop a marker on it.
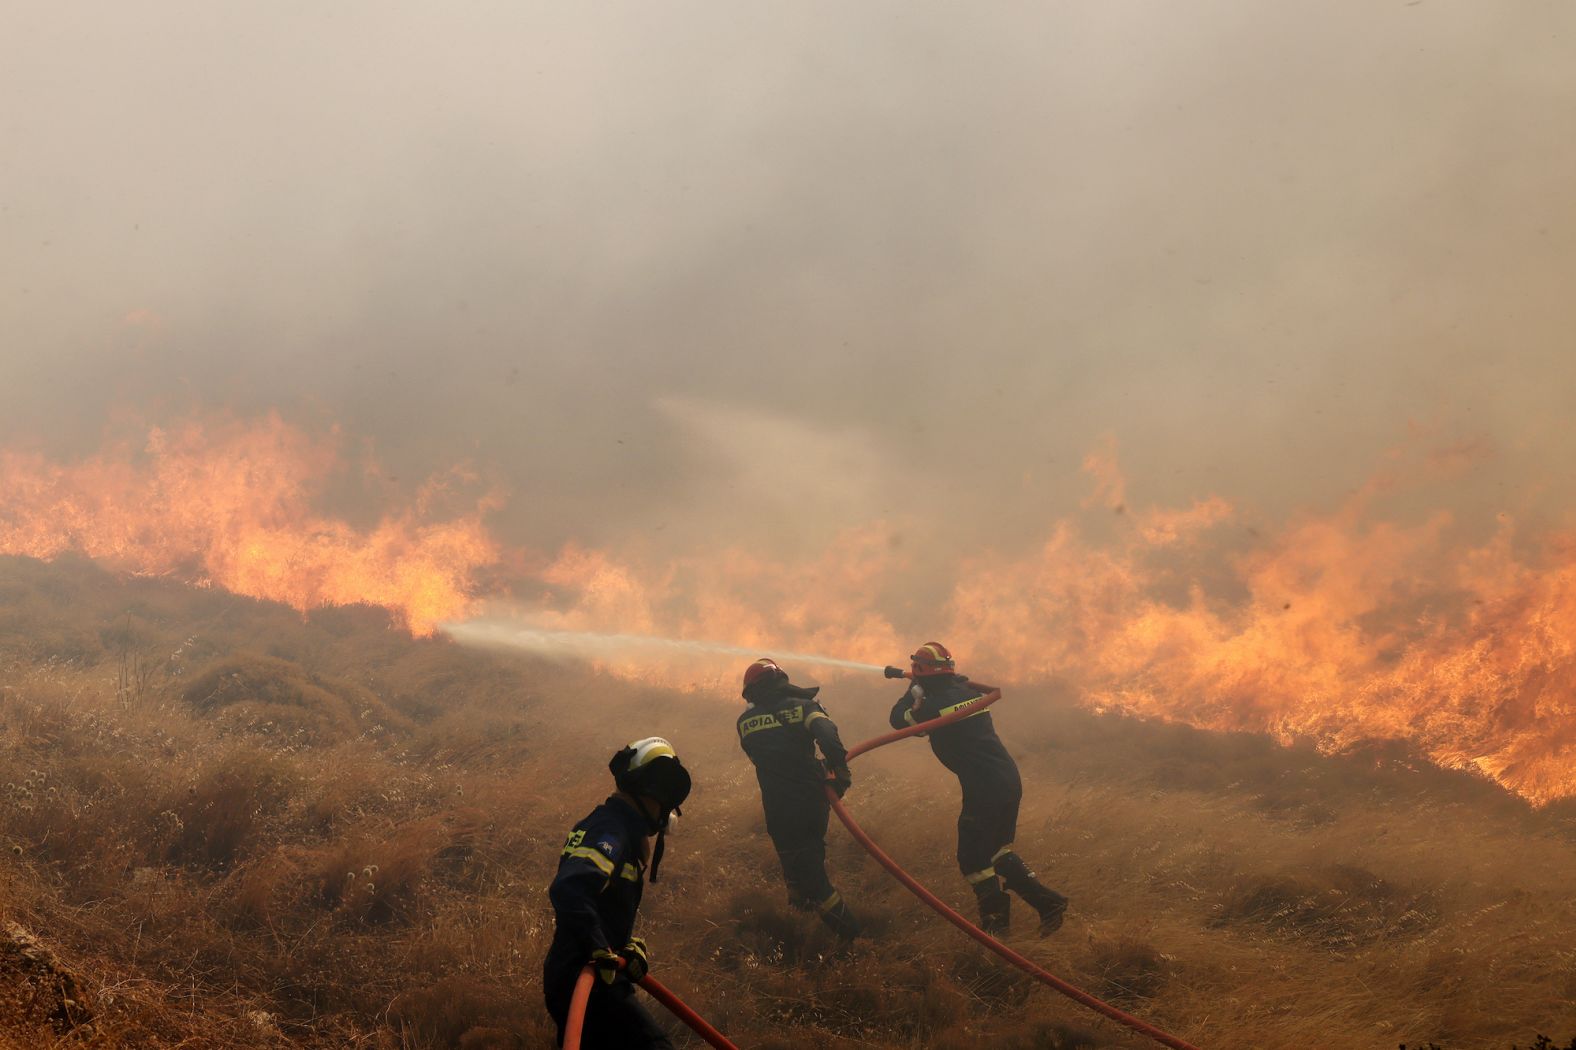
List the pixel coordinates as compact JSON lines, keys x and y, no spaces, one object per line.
{"x":225,"y":825}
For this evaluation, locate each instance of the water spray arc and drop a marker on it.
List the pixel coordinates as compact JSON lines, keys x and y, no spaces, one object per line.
{"x":591,"y":645}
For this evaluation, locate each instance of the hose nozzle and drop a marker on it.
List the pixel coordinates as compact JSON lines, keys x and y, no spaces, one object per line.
{"x":895,"y":672}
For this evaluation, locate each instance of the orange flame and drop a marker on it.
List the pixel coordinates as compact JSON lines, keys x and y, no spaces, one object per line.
{"x":230,"y":504}
{"x":1340,"y":629}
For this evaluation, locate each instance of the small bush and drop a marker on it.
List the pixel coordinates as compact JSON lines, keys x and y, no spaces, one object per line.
{"x":214,"y":823}
{"x":1337,"y":907}
{"x":466,"y":1013}
{"x":271,"y":697}
{"x":381,"y":881}
{"x":1128,"y":970}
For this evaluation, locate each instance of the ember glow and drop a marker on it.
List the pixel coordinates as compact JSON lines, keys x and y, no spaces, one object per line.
{"x":231,"y":504}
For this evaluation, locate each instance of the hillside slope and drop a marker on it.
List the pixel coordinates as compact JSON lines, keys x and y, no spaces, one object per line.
{"x":227,"y":825}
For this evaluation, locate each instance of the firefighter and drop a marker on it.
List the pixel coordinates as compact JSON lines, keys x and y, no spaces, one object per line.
{"x":780,"y":730}
{"x":991,"y":786}
{"x":601,"y":873}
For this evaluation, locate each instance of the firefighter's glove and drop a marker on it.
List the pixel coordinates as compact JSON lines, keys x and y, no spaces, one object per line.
{"x":607,"y":963}
{"x":839,"y":779}
{"x":634,"y":956}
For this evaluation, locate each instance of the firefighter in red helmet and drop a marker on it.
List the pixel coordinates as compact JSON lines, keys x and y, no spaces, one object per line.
{"x":991,"y":786}
{"x":780,"y":730}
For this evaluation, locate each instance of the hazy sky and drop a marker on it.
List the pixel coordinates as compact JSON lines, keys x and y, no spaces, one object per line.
{"x":736,"y":269}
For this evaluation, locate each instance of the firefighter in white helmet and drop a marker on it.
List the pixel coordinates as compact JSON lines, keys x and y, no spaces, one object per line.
{"x":602,"y":873}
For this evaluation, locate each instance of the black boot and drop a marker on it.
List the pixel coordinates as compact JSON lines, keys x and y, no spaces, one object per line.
{"x":995,"y":906}
{"x":839,"y":918}
{"x":1051,"y":905}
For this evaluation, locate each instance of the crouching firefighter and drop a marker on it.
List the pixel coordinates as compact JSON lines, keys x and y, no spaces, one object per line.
{"x":991,"y":786}
{"x":779,"y":731}
{"x":596,"y":893}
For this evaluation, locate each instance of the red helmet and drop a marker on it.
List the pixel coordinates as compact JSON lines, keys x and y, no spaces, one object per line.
{"x":762,"y":670}
{"x":932,"y":658}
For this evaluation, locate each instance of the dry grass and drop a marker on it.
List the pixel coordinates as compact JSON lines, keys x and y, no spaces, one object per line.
{"x":322,"y":833}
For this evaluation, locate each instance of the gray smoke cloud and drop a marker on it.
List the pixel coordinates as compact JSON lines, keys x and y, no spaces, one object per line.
{"x":704,"y":271}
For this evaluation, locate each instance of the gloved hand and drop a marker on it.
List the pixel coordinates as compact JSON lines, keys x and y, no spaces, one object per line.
{"x":842,"y":780}
{"x":607,"y":963}
{"x":630,"y":960}
{"x":634,"y":956}
{"x":840,"y":777}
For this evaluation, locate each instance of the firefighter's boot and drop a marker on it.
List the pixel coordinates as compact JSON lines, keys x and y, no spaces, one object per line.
{"x":1051,"y":905}
{"x":995,"y":905}
{"x":839,"y":918}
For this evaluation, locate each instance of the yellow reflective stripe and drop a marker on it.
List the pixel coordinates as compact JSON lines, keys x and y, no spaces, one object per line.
{"x":960,"y":706}
{"x":814,"y":715}
{"x":1001,"y":853}
{"x":630,"y":872}
{"x":595,"y":856}
{"x":831,"y":902}
{"x":791,"y":715}
{"x":757,"y":723}
{"x":977,"y":877}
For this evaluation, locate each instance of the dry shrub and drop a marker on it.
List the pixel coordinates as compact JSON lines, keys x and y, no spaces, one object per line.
{"x":1336,"y":907}
{"x":344,"y":787}
{"x":255,"y":892}
{"x":766,"y":930}
{"x":911,"y":997}
{"x":213,"y":822}
{"x":465,"y":1013}
{"x":433,"y":676}
{"x":378,"y":882}
{"x":286,"y":702}
{"x":475,"y":739}
{"x":1127,"y":969}
{"x":986,"y":979}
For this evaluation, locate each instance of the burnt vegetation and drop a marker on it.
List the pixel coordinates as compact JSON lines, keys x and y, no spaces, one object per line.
{"x":225,"y":824}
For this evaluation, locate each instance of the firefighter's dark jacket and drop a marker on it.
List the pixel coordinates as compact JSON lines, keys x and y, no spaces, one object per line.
{"x":779,"y":732}
{"x":601,"y":874}
{"x":969,"y":747}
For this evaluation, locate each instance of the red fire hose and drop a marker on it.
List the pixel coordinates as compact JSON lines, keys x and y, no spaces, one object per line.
{"x":697,"y":1024}
{"x":582,"y":992}
{"x":577,"y":1007}
{"x":990,"y":696}
{"x":657,"y":990}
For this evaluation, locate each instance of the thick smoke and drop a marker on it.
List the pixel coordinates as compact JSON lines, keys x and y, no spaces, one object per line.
{"x":754,"y":273}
